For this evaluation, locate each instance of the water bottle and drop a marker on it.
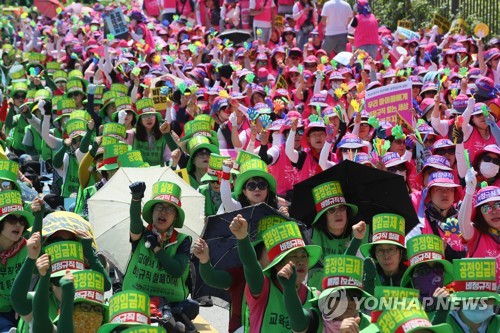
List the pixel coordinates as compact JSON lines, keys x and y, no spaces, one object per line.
{"x":46,"y":189}
{"x":43,"y":168}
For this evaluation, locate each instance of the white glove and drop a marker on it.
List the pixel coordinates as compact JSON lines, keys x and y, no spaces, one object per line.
{"x":470,"y":103}
{"x":41,"y":105}
{"x":91,"y":88}
{"x":233,"y":119}
{"x":121,"y":116}
{"x":435,"y":29}
{"x":226,"y":168}
{"x":470,"y":181}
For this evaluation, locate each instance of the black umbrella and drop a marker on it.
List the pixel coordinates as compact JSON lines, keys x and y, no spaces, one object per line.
{"x":236,"y":36}
{"x":223,"y":244}
{"x":372,"y":190}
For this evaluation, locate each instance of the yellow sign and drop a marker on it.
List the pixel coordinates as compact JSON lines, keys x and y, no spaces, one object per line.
{"x":268,"y":222}
{"x":481,"y":30}
{"x":442,"y":22}
{"x":457,"y":26}
{"x":279,"y":20}
{"x":405,"y":24}
{"x":183,"y":174}
{"x":281,"y":83}
{"x":337,"y":265}
{"x":160,"y":101}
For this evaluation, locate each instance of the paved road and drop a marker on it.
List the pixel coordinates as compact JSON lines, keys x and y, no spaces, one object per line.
{"x":217,"y":317}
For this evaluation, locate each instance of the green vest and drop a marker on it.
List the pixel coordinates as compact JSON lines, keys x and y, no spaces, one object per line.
{"x":152,"y":156}
{"x":193,"y":182}
{"x":83,"y":196}
{"x":330,"y":247}
{"x":493,"y":325}
{"x":145,"y":273}
{"x":18,"y":133}
{"x":275,"y":317}
{"x":37,"y":141}
{"x":71,"y":182}
{"x":8,"y":274}
{"x":210,"y":207}
{"x":23,"y":327}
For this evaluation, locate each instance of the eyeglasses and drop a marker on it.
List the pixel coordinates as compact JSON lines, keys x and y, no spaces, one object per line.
{"x":168,"y":209}
{"x":148,"y":116}
{"x":264,"y":63}
{"x":300,"y":132}
{"x":442,"y":151}
{"x":252,"y":186}
{"x":339,"y":208}
{"x":495,"y":160}
{"x":203,"y":153}
{"x":73,"y":94}
{"x":399,"y":167}
{"x":425,"y":269}
{"x":391,"y":251}
{"x":19,"y":96}
{"x":86,"y":307}
{"x":13,"y":220}
{"x":488,"y":209}
{"x":76,"y":140}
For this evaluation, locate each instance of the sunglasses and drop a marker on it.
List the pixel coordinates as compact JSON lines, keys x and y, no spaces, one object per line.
{"x":294,"y":74}
{"x":73,"y":94}
{"x":13,"y":220}
{"x":252,"y":186}
{"x":340,"y":208}
{"x":262,"y":63}
{"x":489,"y":209}
{"x":442,"y":152}
{"x":300,"y":132}
{"x":74,"y":141}
{"x":5,"y":185}
{"x":494,"y":160}
{"x":19,"y":96}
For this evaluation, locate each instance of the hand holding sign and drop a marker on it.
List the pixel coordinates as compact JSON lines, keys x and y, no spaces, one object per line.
{"x":481,"y":30}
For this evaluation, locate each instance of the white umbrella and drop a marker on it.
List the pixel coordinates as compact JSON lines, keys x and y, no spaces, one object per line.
{"x":109,"y":209}
{"x":343,"y":58}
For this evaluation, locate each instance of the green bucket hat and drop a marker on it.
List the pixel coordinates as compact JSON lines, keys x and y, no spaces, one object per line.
{"x":197,"y":143}
{"x":17,"y":73}
{"x":98,"y":94}
{"x":35,"y":59}
{"x":19,"y":87}
{"x":164,"y":192}
{"x":80,"y":114}
{"x":108,"y":98}
{"x":74,"y":86}
{"x":263,"y":224}
{"x":475,"y":278}
{"x":75,"y":127}
{"x":121,"y":89}
{"x":122,"y":103}
{"x":127,"y":308}
{"x":145,"y":329}
{"x":60,"y":76}
{"x":65,"y":255}
{"x":207,"y":118}
{"x":11,"y":203}
{"x":409,"y":320}
{"x":89,"y":287}
{"x":199,"y":127}
{"x":30,"y":97}
{"x":242,"y":157}
{"x":115,"y":130}
{"x":52,"y":67}
{"x":386,"y":229}
{"x":426,"y":249}
{"x":250,"y":169}
{"x":329,"y":195}
{"x":214,"y":167}
{"x":111,"y":154}
{"x":77,"y":75}
{"x":146,"y":106}
{"x":132,"y":159}
{"x":108,"y":140}
{"x":65,"y":106}
{"x":283,"y":238}
{"x":9,"y":171}
{"x":39,"y":95}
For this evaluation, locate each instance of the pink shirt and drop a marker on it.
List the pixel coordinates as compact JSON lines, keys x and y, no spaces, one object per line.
{"x":366,"y":31}
{"x":483,"y":246}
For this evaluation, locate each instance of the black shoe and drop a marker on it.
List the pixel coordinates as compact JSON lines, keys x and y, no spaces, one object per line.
{"x":205,"y":301}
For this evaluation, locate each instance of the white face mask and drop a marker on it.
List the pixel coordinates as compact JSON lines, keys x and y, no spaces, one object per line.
{"x":488,"y":169}
{"x":345,"y":156}
{"x":401,"y":173}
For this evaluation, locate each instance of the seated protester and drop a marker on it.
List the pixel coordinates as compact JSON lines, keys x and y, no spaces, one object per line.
{"x":479,"y":221}
{"x":127,"y":316}
{"x":322,"y":317}
{"x":307,"y":161}
{"x":210,"y":187}
{"x":14,"y":221}
{"x":475,"y":281}
{"x":263,"y":293}
{"x":385,"y":255}
{"x":429,"y":272}
{"x":334,"y":228}
{"x":440,"y":214}
{"x":167,"y":248}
